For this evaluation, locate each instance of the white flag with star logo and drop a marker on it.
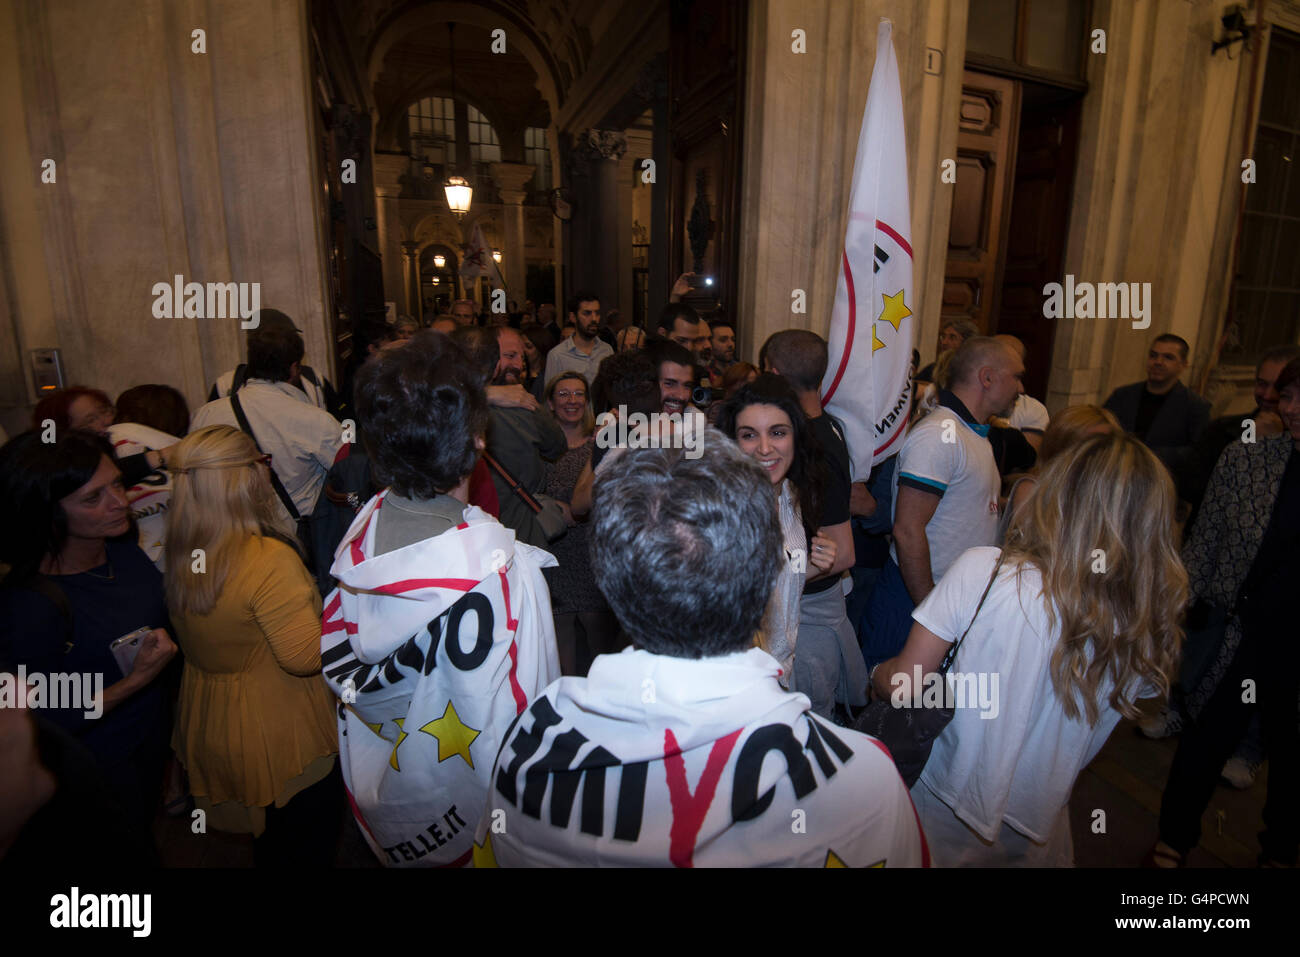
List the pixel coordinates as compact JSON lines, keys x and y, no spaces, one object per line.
{"x":868,"y":385}
{"x":433,"y":651}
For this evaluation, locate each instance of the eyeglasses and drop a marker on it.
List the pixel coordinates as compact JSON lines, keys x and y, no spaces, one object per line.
{"x":566,"y":394}
{"x":264,"y":459}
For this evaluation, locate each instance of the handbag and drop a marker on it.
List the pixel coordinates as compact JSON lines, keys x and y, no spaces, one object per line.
{"x":909,"y":732}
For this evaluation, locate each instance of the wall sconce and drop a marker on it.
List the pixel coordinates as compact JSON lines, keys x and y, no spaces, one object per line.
{"x":439,"y":261}
{"x":496,"y":255}
{"x":1235,"y":29}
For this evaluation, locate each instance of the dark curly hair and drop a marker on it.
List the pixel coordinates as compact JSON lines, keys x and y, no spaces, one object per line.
{"x":420,"y":410}
{"x":807,"y":472}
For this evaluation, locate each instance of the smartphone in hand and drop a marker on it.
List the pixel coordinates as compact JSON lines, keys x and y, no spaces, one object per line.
{"x":125,"y":649}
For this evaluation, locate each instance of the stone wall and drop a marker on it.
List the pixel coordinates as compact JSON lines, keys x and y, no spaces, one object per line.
{"x":169,"y":162}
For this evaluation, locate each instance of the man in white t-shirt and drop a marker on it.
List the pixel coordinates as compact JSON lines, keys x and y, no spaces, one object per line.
{"x":946,"y":490}
{"x":684,"y":750}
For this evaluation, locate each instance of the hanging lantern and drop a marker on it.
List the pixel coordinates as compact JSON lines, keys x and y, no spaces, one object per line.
{"x":459,"y":194}
{"x":496,"y":255}
{"x":439,"y":261}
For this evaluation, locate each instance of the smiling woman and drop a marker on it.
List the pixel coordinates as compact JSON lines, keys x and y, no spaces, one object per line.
{"x":767,"y":424}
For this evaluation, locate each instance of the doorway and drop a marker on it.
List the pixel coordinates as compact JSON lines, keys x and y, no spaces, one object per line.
{"x":1016,"y":152}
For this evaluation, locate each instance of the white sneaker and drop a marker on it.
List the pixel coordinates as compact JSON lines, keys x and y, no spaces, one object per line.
{"x":1240,"y":773}
{"x":1165,"y":724}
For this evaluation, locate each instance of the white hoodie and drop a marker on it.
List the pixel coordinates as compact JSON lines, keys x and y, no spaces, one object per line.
{"x":653,"y":760}
{"x":433,"y":650}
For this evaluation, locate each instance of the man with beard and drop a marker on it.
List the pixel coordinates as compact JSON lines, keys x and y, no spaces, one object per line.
{"x":675,"y":367}
{"x":517,"y":442}
{"x":584,"y":351}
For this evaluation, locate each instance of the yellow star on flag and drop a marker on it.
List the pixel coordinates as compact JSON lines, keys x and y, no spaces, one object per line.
{"x":833,"y":859}
{"x":454,"y":736}
{"x":401,"y":736}
{"x":895,"y":310}
{"x":484,"y":854}
{"x":875,"y":340}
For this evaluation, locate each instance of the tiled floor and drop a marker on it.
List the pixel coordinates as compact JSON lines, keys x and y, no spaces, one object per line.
{"x":1124,"y":782}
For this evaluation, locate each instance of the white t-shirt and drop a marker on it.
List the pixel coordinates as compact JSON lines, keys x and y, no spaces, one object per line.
{"x":945,"y":454}
{"x":1019,"y":766}
{"x":1029,"y":415}
{"x":781,"y":619}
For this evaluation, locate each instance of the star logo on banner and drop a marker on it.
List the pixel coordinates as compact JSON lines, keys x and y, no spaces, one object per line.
{"x":401,"y":736}
{"x":834,"y":860}
{"x":894,"y":311}
{"x":454,"y":736}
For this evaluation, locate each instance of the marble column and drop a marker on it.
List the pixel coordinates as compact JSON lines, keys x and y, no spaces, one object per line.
{"x":594,"y":256}
{"x":169,"y":162}
{"x":389,"y":168}
{"x":414,"y":303}
{"x":511,"y":178}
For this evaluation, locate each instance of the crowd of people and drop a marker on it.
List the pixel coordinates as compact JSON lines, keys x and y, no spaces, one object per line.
{"x":518,"y":552}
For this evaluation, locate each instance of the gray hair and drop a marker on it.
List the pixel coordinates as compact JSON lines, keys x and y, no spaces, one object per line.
{"x":685,"y":550}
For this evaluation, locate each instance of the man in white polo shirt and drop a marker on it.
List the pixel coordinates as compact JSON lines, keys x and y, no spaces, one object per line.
{"x":583,"y":351}
{"x":946,"y":489}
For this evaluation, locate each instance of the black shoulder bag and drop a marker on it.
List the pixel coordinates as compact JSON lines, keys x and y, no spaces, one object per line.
{"x":909,"y":732}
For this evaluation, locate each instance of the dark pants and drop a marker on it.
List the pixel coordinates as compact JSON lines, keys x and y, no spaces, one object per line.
{"x":305,"y":832}
{"x":1206,"y":743}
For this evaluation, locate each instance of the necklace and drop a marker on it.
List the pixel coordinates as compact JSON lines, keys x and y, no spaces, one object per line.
{"x":108,"y":578}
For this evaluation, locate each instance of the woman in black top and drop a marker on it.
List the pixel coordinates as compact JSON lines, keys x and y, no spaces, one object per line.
{"x":77,"y":581}
{"x":1243,"y":562}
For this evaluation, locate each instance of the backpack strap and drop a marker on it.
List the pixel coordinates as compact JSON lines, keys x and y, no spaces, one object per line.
{"x":275,"y":479}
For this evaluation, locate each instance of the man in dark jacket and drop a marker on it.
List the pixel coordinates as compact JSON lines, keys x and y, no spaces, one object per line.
{"x":1162,"y":412}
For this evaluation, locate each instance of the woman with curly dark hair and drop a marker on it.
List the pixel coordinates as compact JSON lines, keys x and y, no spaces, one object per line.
{"x":764,"y":419}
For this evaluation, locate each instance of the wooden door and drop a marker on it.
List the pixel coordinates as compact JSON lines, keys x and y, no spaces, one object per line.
{"x":1040,"y":212}
{"x":986,"y":149}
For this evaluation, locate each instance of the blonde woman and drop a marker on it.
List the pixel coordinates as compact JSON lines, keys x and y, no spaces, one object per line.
{"x":1070,"y":427}
{"x":1080,"y":620}
{"x":256,"y":728}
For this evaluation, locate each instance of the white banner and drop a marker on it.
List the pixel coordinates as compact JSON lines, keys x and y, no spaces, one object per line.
{"x":867,"y":385}
{"x":654,"y":761}
{"x":476,"y":260}
{"x":433,"y":650}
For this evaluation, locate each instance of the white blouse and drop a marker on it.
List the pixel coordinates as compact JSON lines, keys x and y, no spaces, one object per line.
{"x":780,"y":627}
